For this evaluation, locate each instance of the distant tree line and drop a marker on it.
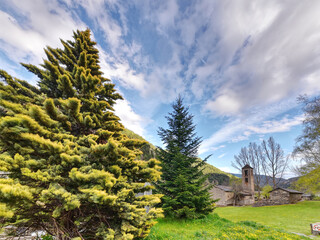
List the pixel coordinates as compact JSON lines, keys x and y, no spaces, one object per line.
{"x":219,"y":178}
{"x":307,"y":150}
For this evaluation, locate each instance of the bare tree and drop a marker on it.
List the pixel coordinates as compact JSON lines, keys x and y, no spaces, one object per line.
{"x":257,"y":161}
{"x":274,"y":162}
{"x":241,"y":159}
{"x":267,"y":158}
{"x":237,"y":189}
{"x":253,"y":156}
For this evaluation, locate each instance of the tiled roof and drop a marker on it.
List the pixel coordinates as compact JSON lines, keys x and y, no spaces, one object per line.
{"x":247,"y":166}
{"x":224,"y":188}
{"x":306,"y":195}
{"x":229,"y":189}
{"x":288,"y":190}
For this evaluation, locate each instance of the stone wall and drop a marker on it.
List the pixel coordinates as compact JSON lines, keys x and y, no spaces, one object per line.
{"x":280,"y":195}
{"x":268,"y":202}
{"x":229,"y":198}
{"x":295,"y":197}
{"x":246,"y":200}
{"x":226,"y":198}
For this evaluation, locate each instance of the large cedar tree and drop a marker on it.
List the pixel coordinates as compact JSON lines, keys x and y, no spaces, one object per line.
{"x":70,"y":170}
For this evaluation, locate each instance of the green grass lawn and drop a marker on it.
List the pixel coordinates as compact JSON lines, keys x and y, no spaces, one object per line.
{"x":292,"y":218}
{"x":215,"y":227}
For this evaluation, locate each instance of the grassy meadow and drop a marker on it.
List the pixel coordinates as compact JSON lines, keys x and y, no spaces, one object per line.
{"x":215,"y":227}
{"x":292,"y":217}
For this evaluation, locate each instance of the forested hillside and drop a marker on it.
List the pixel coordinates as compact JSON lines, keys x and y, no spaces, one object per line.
{"x":148,"y":149}
{"x":216,"y":175}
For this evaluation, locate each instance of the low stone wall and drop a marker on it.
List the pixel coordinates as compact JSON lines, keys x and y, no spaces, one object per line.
{"x":246,"y":200}
{"x":269,"y":202}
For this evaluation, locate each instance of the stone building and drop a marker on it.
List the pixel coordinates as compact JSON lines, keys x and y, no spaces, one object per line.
{"x":306,"y":196}
{"x":226,"y":194}
{"x":248,"y":179}
{"x":284,"y":196}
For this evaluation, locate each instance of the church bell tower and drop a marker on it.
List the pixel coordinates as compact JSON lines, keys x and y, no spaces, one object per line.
{"x":247,"y":179}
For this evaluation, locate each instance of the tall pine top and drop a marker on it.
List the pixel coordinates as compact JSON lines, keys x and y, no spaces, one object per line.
{"x":180,"y":136}
{"x":182,"y":179}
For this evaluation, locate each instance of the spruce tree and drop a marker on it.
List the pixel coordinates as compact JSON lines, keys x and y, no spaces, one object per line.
{"x":71,"y":170}
{"x":182,"y":180}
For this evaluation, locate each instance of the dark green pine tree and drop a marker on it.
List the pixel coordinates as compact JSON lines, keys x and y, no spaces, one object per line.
{"x":70,"y":170}
{"x":182,"y":181}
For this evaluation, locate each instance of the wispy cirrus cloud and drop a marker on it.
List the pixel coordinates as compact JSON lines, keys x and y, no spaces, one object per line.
{"x":28,"y":26}
{"x":266,"y":59}
{"x":233,"y":65}
{"x":242,"y":62}
{"x":243,"y":127}
{"x":274,"y":126}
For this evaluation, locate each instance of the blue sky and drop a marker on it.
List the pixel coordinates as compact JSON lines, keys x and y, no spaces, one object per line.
{"x":240,"y":65}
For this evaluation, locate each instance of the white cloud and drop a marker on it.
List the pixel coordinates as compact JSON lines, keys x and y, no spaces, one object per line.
{"x":242,"y":127}
{"x":99,"y":13}
{"x":221,"y":155}
{"x":266,"y":53}
{"x":282,"y":125}
{"x":165,"y":83}
{"x":224,"y":105}
{"x":162,"y":13}
{"x":239,"y":138}
{"x":226,"y":169}
{"x":125,"y":62}
{"x":290,"y":173}
{"x":129,"y":118}
{"x":225,"y":134}
{"x":238,"y":58}
{"x":40,"y":23}
{"x":254,"y":58}
{"x":121,"y":71}
{"x":205,"y":147}
{"x":166,"y":14}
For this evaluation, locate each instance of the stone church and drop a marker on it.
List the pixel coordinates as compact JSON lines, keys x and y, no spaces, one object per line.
{"x":226,"y":194}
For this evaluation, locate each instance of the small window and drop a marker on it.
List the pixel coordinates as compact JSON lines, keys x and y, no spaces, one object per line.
{"x":246,"y":179}
{"x":246,"y":173}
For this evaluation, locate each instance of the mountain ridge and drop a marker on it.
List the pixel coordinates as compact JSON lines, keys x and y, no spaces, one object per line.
{"x":284,"y":183}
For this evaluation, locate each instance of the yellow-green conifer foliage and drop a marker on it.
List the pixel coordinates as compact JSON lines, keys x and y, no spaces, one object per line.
{"x":71,"y":171}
